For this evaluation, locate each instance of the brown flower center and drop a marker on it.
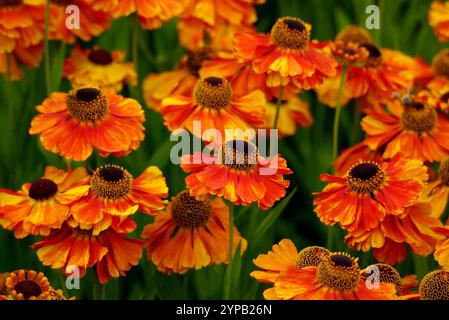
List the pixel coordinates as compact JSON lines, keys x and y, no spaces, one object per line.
{"x":354,"y":34}
{"x":10,"y":3}
{"x":42,"y":189}
{"x":239,"y":155}
{"x":28,"y":288}
{"x":311,"y":256}
{"x":290,"y":33}
{"x":443,"y":172}
{"x":386,"y":274}
{"x":111,"y":182}
{"x":445,"y":97}
{"x":365,"y":177}
{"x":339,"y":271}
{"x":83,"y":232}
{"x":87,"y":104}
{"x":375,"y":55}
{"x":100,"y":57}
{"x":418,"y":117}
{"x":213,"y":92}
{"x":441,"y":63}
{"x":189,"y":212}
{"x":435,"y":286}
{"x":195,"y":60}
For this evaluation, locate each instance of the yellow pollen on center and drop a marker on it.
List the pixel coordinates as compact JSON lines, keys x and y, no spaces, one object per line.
{"x":188,"y":212}
{"x":418,"y":117}
{"x":111,"y":182}
{"x":87,"y":104}
{"x":291,"y":33}
{"x":365,"y":177}
{"x":339,"y":271}
{"x":213,"y":92}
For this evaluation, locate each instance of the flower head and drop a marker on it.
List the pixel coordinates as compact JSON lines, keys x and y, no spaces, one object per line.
{"x":435,"y":286}
{"x":240,"y":174}
{"x":73,"y":124}
{"x":114,"y":192}
{"x":44,"y":204}
{"x":286,"y":55}
{"x":439,"y":19}
{"x":99,"y":67}
{"x":191,"y":234}
{"x":369,"y":191}
{"x":27,"y":285}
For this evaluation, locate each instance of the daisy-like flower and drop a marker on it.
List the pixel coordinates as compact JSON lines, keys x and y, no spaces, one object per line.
{"x":388,"y":274}
{"x":238,"y":173}
{"x":369,"y":191}
{"x":114,"y":192}
{"x":73,"y":124}
{"x":286,"y":55}
{"x":191,"y":234}
{"x":93,"y":21}
{"x":151,"y":13}
{"x":100,"y":68}
{"x":337,"y":277}
{"x":412,"y":127}
{"x":374,"y":78}
{"x":27,"y":285}
{"x":180,"y":81}
{"x":215,"y":106}
{"x":435,"y":286}
{"x":44,"y":204}
{"x":415,"y":227}
{"x":284,"y":255}
{"x":439,"y":19}
{"x":293,"y":112}
{"x":111,"y":251}
{"x":21,"y":23}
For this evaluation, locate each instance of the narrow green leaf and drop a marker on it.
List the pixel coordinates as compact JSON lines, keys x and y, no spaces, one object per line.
{"x":272,"y":217}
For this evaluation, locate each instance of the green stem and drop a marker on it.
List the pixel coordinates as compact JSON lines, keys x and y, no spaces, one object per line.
{"x":278,"y":106}
{"x":135,"y":45}
{"x":228,"y":276}
{"x":9,"y":88}
{"x":337,"y":113}
{"x":47,"y":48}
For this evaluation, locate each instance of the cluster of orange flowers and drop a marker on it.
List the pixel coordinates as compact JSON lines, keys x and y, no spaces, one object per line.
{"x":385,"y":192}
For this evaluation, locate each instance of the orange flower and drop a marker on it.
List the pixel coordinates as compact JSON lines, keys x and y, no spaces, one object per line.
{"x":180,"y":81}
{"x":439,"y":19}
{"x":435,"y":286}
{"x":414,"y":227}
{"x":100,"y":68}
{"x":411,"y":127}
{"x":44,"y":204}
{"x":238,"y":173}
{"x":286,"y":55}
{"x":27,"y":285}
{"x":284,"y":255}
{"x":215,"y":107}
{"x":192,"y":233}
{"x":152,"y":13}
{"x":360,"y":200}
{"x":92,"y":21}
{"x":114,"y":192}
{"x":21,"y":23}
{"x":337,"y":277}
{"x":354,"y":154}
{"x":71,"y":125}
{"x":111,"y":251}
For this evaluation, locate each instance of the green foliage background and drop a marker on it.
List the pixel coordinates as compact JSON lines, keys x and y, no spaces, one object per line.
{"x":404,"y":27}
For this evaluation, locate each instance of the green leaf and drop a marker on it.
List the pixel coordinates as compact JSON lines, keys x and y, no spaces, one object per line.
{"x":236,"y":269}
{"x":272,"y":217}
{"x":57,"y":67}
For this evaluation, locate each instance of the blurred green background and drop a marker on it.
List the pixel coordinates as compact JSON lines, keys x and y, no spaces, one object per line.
{"x":404,"y":27}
